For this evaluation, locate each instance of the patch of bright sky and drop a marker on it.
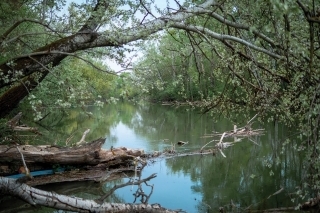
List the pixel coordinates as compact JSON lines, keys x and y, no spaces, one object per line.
{"x":160,"y":4}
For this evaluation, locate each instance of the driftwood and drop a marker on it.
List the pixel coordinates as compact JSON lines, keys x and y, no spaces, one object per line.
{"x":242,"y":132}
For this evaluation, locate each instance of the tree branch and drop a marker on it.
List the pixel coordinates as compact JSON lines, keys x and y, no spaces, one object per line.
{"x":242,"y":26}
{"x":62,"y":202}
{"x":15,"y":25}
{"x":223,"y":37}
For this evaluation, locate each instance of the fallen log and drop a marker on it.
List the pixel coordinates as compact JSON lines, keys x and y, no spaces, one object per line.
{"x":38,"y":197}
{"x":46,"y":156}
{"x":96,"y":174}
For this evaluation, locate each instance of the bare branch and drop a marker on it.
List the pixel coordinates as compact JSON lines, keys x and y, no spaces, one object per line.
{"x":62,"y":53}
{"x":11,"y":40}
{"x":240,"y":26}
{"x":223,"y":37}
{"x":15,"y":25}
{"x":148,"y":12}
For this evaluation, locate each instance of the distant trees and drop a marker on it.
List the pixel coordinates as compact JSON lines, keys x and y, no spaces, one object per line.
{"x":175,"y":69}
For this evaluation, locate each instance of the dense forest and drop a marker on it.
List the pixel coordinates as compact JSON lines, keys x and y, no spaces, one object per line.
{"x":240,"y":56}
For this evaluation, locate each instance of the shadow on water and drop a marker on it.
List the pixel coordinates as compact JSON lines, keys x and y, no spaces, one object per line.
{"x":247,"y":177}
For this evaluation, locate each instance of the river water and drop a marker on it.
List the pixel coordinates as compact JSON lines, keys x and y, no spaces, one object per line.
{"x":252,"y":171}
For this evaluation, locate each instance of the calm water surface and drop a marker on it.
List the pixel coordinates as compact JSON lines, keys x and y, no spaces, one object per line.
{"x":253,"y":169}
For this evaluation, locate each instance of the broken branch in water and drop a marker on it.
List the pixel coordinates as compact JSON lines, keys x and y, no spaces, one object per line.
{"x":130,"y":182}
{"x":243,"y":131}
{"x":220,"y":145}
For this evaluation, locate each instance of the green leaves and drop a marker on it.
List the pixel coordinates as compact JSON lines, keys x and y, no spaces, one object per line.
{"x":72,"y":84}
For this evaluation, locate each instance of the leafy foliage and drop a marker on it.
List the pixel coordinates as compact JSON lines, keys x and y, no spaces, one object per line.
{"x":74,"y":83}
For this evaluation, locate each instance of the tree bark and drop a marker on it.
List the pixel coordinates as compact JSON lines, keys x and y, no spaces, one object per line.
{"x":36,"y":197}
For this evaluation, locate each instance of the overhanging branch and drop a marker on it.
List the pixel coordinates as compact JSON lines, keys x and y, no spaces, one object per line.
{"x":223,"y":37}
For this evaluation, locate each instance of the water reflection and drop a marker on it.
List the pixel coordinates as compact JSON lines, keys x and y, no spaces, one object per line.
{"x":249,"y":174}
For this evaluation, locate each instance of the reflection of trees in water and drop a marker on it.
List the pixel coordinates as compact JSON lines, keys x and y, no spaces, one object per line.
{"x":170,"y":125}
{"x":112,"y":139}
{"x":70,"y":124}
{"x":249,"y":174}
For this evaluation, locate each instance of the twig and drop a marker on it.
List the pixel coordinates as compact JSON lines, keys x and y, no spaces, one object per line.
{"x":206,"y":145}
{"x":277,"y":192}
{"x":254,"y":141}
{"x":249,"y":122}
{"x":83,"y":137}
{"x":15,"y":120}
{"x":222,"y":153}
{"x":222,"y":137}
{"x":220,"y":145}
{"x":27,"y":171}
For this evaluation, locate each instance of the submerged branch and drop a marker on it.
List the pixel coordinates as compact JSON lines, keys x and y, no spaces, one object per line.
{"x":130,"y":182}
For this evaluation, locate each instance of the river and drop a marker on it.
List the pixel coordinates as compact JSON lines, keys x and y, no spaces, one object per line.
{"x":252,"y":171}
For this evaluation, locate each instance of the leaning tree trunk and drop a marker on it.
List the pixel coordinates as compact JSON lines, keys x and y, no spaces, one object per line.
{"x":50,"y":199}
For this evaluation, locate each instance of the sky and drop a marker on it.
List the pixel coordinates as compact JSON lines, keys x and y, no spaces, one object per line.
{"x":112,"y":63}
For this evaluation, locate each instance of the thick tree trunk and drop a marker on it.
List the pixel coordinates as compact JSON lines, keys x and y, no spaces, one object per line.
{"x":50,"y":199}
